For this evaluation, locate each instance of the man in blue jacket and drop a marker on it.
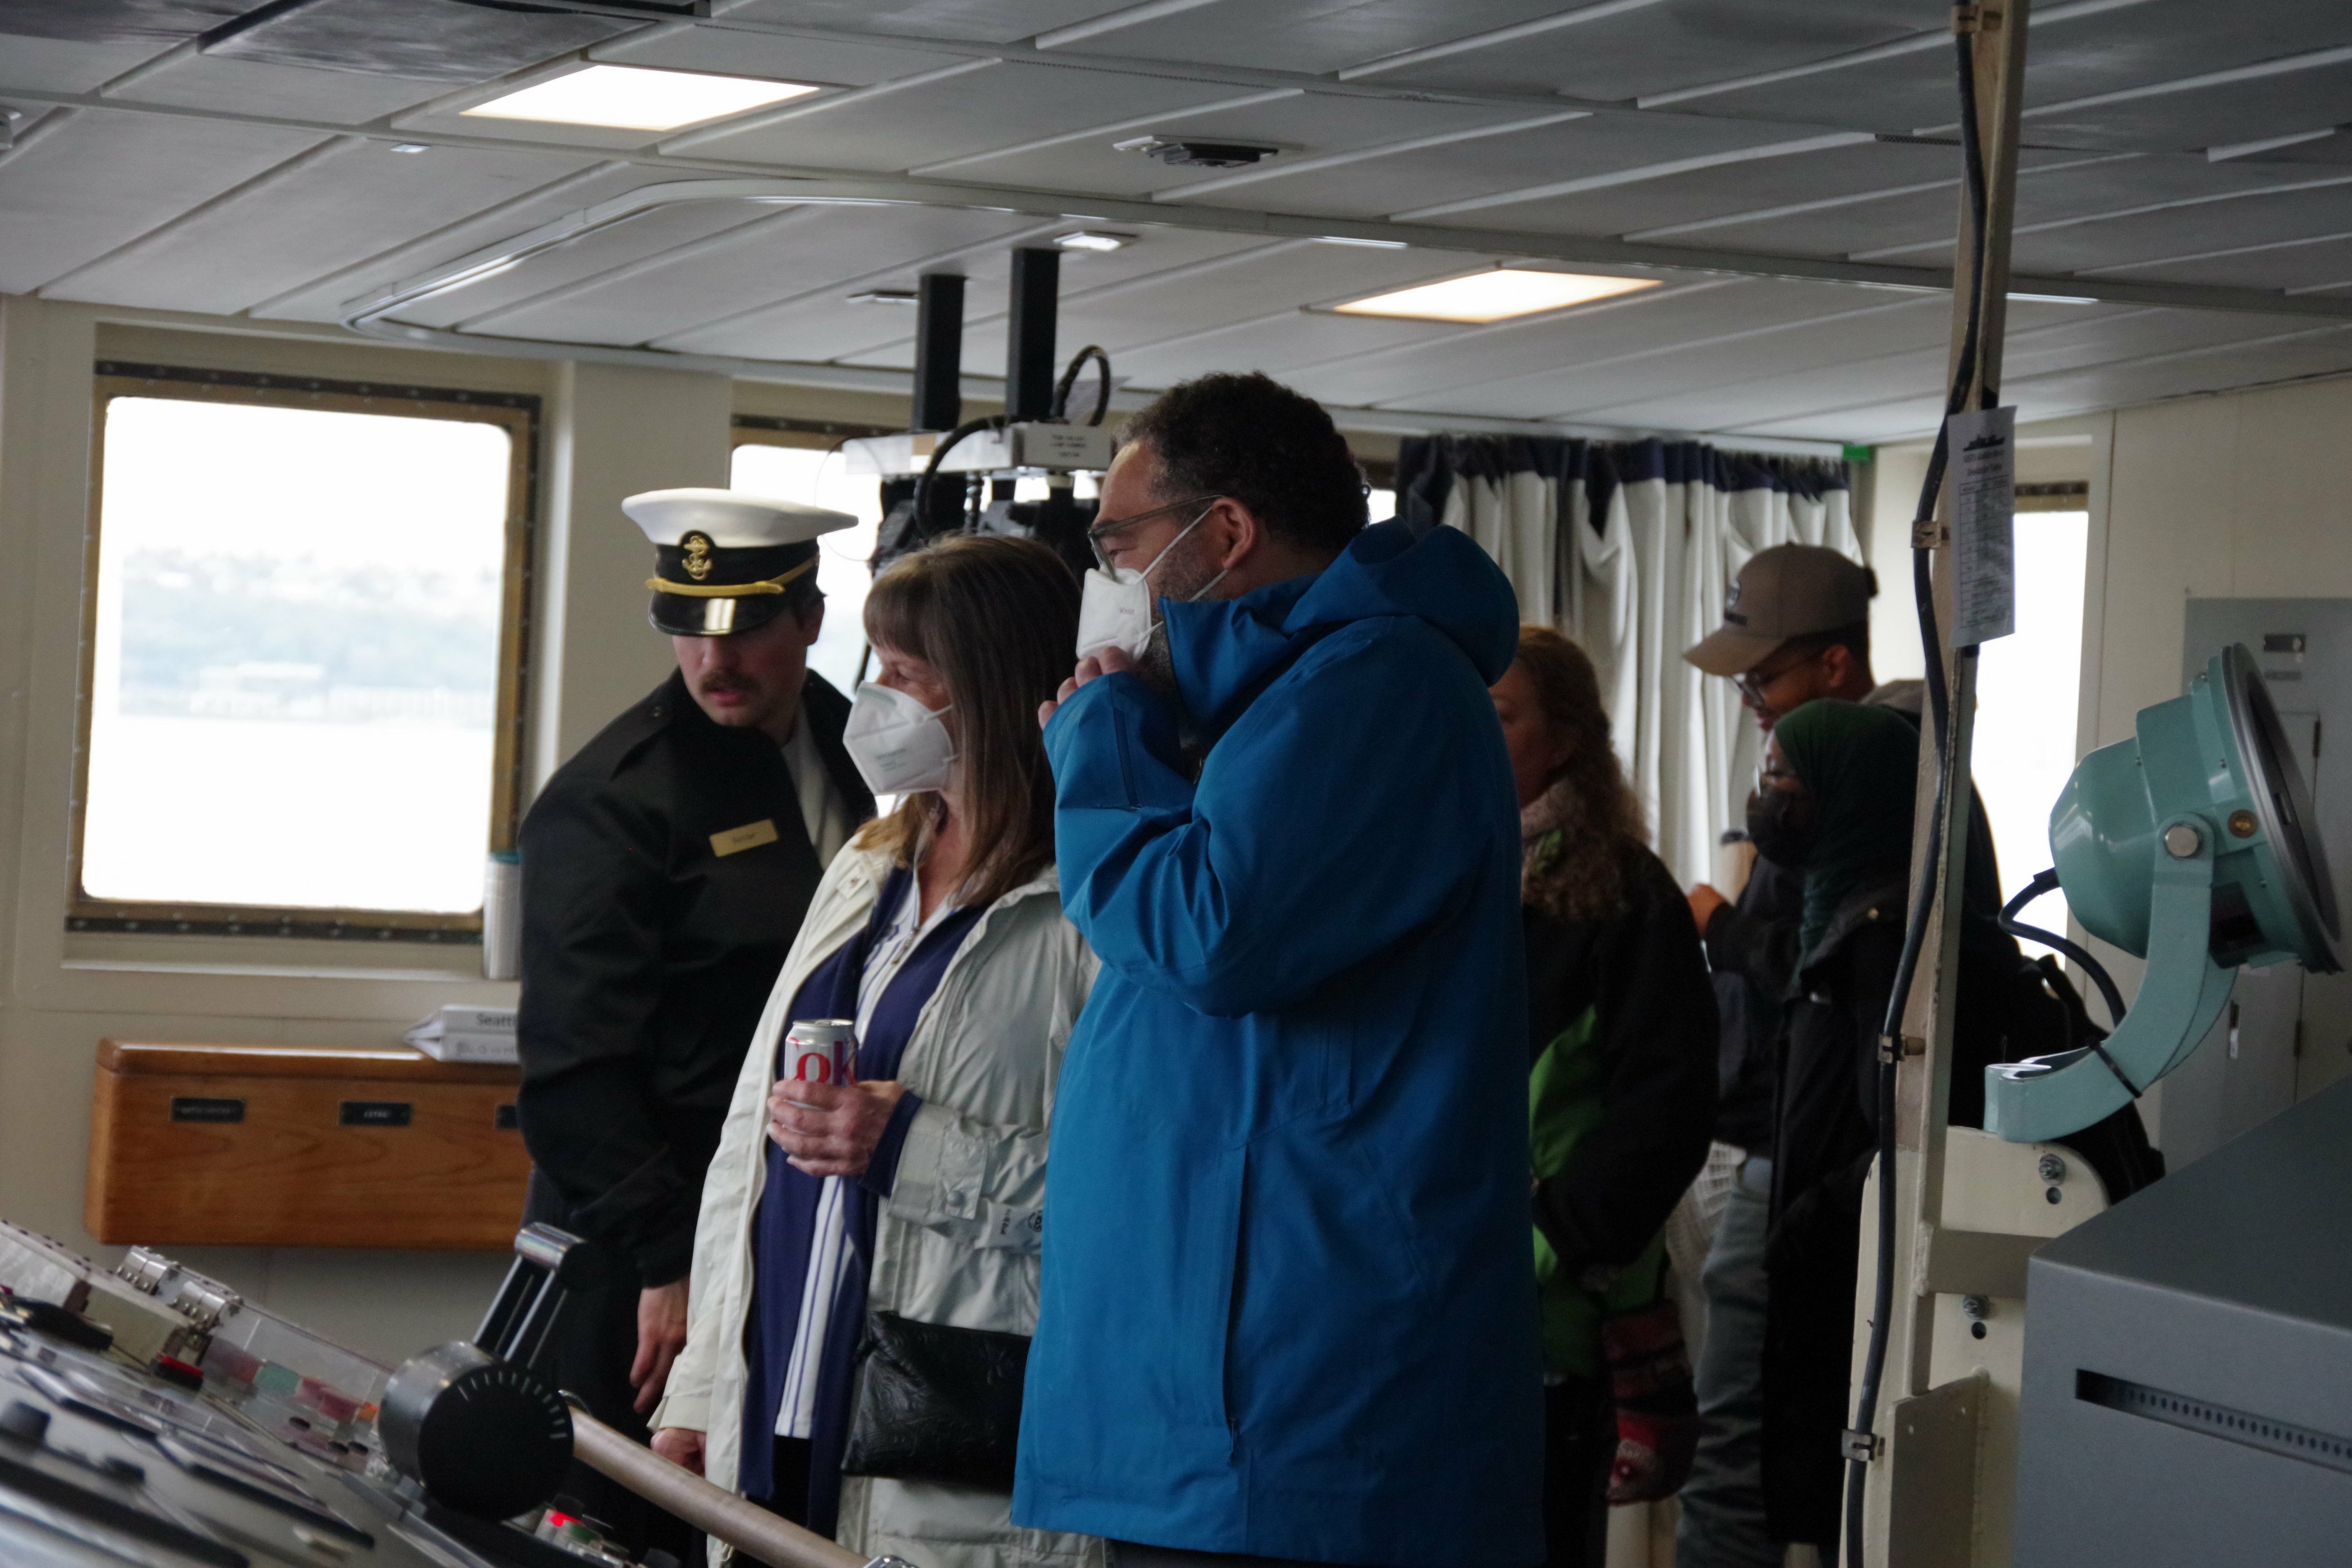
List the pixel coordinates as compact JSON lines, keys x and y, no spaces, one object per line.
{"x":1288,"y":1309}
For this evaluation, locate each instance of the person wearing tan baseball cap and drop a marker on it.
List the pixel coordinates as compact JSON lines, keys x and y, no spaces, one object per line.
{"x":1796,"y":627}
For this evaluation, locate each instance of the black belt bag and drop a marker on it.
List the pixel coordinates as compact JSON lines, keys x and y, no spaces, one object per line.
{"x":937,"y":1404}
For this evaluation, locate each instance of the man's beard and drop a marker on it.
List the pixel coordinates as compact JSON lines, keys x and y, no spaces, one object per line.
{"x":1178,"y":576}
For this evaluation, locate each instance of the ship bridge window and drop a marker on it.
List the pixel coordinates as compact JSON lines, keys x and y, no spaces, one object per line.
{"x":800,"y":460}
{"x":300,"y":689}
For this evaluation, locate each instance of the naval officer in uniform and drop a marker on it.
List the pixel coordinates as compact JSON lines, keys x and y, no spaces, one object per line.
{"x":666,"y":869}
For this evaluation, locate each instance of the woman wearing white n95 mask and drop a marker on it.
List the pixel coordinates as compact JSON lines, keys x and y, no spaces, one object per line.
{"x":904,"y":1208}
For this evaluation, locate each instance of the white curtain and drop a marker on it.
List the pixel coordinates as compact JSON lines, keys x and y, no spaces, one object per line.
{"x":1630,"y":548}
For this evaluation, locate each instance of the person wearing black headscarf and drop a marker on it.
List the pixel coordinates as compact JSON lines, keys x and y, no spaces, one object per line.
{"x":1837,"y":802}
{"x":1838,"y":796}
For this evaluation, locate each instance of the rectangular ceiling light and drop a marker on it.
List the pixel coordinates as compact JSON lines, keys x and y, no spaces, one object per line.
{"x":1496,"y":296}
{"x":634,"y":99}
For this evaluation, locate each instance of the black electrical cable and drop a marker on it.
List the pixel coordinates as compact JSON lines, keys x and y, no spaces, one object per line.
{"x":1070,"y":379}
{"x":1862,"y":1441}
{"x":947,"y":444}
{"x":2048,"y":882}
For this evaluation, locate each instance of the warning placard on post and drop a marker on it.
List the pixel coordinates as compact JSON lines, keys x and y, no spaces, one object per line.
{"x":1984,"y":447}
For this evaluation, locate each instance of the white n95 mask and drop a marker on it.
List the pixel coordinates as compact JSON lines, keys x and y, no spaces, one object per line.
{"x":1115,"y":603}
{"x":898,"y":744}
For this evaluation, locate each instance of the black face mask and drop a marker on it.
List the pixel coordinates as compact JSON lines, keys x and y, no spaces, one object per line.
{"x":1782,"y":826}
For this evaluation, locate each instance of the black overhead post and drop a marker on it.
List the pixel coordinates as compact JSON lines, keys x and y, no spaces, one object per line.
{"x":938,"y":352}
{"x":1029,"y":334}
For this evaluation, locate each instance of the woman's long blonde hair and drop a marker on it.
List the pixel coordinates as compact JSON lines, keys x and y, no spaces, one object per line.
{"x":1598,"y":814}
{"x":997,"y":617}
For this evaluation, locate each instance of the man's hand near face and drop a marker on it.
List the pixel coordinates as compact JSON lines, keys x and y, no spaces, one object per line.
{"x":1109,"y":662}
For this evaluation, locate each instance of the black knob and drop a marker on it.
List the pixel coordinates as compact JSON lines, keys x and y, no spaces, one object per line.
{"x":24,"y":1422}
{"x":486,"y":1437}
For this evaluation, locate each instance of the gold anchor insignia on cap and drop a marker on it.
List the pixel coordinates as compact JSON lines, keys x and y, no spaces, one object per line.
{"x":696,"y":548}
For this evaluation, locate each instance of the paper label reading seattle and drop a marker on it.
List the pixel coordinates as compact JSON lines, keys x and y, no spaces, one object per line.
{"x":750,"y":836}
{"x":1984,"y":447}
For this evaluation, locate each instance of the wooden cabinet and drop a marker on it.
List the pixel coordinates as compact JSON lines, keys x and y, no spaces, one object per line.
{"x":276,"y":1146}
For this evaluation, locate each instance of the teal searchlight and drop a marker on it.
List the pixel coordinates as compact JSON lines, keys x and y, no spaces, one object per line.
{"x":2193,"y":846}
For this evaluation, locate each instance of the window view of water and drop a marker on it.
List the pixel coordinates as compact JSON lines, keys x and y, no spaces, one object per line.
{"x":296,"y":670}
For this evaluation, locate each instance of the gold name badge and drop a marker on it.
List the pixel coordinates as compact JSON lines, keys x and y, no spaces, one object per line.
{"x":750,"y":836}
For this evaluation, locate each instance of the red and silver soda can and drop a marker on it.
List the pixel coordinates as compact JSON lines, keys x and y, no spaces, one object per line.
{"x":819,"y":1051}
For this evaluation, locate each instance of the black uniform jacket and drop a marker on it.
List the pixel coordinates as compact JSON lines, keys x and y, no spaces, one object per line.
{"x":647,"y":955}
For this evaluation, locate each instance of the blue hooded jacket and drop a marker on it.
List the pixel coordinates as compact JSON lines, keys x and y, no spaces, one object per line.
{"x":1286,"y":1309}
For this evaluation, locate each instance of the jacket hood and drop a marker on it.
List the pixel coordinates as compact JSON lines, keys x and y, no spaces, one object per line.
{"x":1224,"y":649}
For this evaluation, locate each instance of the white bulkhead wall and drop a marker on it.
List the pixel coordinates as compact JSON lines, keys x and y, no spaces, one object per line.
{"x":608,"y":432}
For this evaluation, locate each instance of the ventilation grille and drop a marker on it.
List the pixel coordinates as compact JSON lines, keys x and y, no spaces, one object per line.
{"x":2322,"y":1449}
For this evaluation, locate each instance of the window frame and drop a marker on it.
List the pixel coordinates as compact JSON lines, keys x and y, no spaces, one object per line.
{"x":518,"y":413}
{"x":817,"y":434}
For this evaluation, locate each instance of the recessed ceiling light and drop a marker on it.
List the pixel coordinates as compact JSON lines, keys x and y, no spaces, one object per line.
{"x":1094,"y":239}
{"x":1367,"y":243}
{"x":409,"y":147}
{"x":634,"y":99}
{"x":2055,"y":298}
{"x":1494,"y":296}
{"x":885,"y":297}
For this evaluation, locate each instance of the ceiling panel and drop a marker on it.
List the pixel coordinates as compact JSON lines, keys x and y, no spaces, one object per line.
{"x":1275,"y":277}
{"x":986,"y":21}
{"x":651,"y":233}
{"x":2218,"y":116}
{"x":1916,"y":227}
{"x":1653,"y":48}
{"x":801,"y":251}
{"x":163,"y":22}
{"x":813,"y":331}
{"x":102,"y":180}
{"x":2105,"y":51}
{"x":1279,"y":344}
{"x":252,"y":87}
{"x":58,"y":65}
{"x":1310,"y":36}
{"x":800,"y":318}
{"x":850,"y":330}
{"x":1888,"y":395}
{"x":2304,"y":264}
{"x":323,"y":296}
{"x":1305,"y":125}
{"x":1732,"y":188}
{"x":1659,"y":334}
{"x":1271,"y":278}
{"x":972,"y":111}
{"x":2253,"y":220}
{"x":2302,"y":351}
{"x":339,"y":210}
{"x":1598,"y":144}
{"x":1815,"y":327}
{"x":767,"y":55}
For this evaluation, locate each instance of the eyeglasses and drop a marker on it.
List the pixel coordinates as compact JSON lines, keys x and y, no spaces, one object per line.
{"x":1755,"y":682}
{"x":1101,"y":531}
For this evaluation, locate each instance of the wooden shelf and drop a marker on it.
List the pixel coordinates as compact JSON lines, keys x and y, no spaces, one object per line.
{"x":283,"y":1145}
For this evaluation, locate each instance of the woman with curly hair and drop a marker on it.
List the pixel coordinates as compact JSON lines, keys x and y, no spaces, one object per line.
{"x":1622,"y":1052}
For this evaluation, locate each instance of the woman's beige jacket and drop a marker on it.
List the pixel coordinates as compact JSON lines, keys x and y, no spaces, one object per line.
{"x":957,"y":1241}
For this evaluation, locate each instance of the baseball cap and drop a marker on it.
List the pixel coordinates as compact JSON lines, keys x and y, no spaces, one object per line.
{"x":1788,"y":590}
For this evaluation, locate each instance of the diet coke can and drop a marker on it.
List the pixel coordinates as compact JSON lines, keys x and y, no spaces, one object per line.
{"x":819,"y":1051}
